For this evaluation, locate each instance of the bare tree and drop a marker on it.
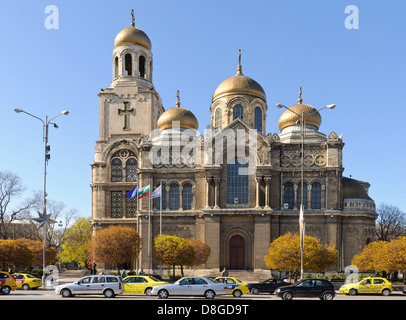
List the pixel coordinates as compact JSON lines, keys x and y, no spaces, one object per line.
{"x":10,"y":210}
{"x":391,"y":222}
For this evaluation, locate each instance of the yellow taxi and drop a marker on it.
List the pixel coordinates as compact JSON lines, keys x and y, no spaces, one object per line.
{"x":27,"y":281}
{"x":234,"y":286}
{"x":7,"y":283}
{"x":140,"y":284}
{"x":368,"y":285}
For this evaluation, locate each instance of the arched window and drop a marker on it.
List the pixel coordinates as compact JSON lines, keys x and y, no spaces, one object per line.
{"x":131,"y":170}
{"x":218,"y":119}
{"x":162,"y":198}
{"x":115,"y":67}
{"x":238,"y":112}
{"x":116,"y":170}
{"x":299,"y":195}
{"x":288,"y":196}
{"x":141,"y":66}
{"x":258,"y":119}
{"x":316,"y":195}
{"x":174,"y":197}
{"x":237,"y":182}
{"x":187,"y":197}
{"x":128,"y":64}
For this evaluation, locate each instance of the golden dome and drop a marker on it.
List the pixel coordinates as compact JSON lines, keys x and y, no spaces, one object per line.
{"x":289,"y":118}
{"x":239,"y":84}
{"x":132,"y":35}
{"x":186,"y":118}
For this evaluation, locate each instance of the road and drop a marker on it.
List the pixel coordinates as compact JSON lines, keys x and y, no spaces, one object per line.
{"x":45,"y":294}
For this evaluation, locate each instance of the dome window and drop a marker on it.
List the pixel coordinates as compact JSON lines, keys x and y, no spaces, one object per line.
{"x":128,"y":64}
{"x":141,"y":67}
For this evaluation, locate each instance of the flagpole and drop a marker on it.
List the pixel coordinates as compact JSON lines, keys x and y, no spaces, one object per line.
{"x":160,"y":212}
{"x":149,"y":232}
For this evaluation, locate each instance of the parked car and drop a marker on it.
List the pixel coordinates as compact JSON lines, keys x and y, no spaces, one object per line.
{"x":317,"y":288}
{"x":368,"y":285}
{"x":266,"y":286}
{"x":140,"y":284}
{"x":27,"y":281}
{"x":7,"y":283}
{"x":195,"y":286}
{"x":235,"y":286}
{"x":108,"y":285}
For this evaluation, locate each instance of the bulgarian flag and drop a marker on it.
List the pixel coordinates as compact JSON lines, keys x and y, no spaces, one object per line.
{"x":143,"y":192}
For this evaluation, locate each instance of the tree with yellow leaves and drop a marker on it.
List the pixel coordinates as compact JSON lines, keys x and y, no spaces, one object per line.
{"x":284,"y":254}
{"x":115,"y":245}
{"x":173,"y":251}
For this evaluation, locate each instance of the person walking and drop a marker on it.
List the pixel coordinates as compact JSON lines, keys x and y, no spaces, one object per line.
{"x":224,"y":273}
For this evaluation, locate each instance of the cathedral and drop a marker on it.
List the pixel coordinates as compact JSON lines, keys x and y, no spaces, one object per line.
{"x":235,"y":186}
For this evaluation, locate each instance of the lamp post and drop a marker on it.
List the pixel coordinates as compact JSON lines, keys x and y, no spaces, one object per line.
{"x":302,"y":121}
{"x":44,"y":218}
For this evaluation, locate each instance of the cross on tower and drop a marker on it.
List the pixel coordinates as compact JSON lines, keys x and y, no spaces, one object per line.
{"x":126,"y":112}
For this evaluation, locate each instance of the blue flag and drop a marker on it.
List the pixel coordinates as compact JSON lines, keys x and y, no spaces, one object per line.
{"x":133,"y":193}
{"x":156,"y":193}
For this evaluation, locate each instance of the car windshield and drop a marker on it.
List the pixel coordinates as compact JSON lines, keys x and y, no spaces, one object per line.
{"x":155,"y":279}
{"x":31,"y":276}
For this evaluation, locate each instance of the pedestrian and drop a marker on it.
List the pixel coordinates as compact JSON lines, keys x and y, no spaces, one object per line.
{"x":94,"y":268}
{"x":224,"y":273}
{"x":123,"y":275}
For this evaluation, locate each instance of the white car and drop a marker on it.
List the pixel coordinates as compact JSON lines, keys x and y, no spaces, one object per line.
{"x":108,"y":285}
{"x":194,"y":286}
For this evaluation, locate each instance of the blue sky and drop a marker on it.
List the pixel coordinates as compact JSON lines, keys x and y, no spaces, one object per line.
{"x":285,"y":45}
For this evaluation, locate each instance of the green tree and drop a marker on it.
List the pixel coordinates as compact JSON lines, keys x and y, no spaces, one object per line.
{"x":74,"y":243}
{"x":284,"y":254}
{"x":173,"y":251}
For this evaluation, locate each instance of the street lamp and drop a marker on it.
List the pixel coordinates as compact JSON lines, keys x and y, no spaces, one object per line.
{"x":302,"y":121}
{"x":44,"y":218}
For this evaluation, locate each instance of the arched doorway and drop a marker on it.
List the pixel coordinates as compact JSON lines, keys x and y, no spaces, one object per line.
{"x":237,"y":252}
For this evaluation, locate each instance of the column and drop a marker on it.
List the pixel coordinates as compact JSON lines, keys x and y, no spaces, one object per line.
{"x":309,"y":196}
{"x":216,"y":192}
{"x":258,"y":179}
{"x":168,"y":189}
{"x":180,"y":198}
{"x":208,"y":180}
{"x":267,"y":182}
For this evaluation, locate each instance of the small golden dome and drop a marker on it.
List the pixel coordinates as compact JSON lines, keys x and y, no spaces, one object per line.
{"x":132,"y":35}
{"x":239,"y":84}
{"x":186,"y":118}
{"x":289,"y":118}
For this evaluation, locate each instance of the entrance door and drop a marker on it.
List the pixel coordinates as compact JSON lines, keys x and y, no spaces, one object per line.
{"x":237,"y":252}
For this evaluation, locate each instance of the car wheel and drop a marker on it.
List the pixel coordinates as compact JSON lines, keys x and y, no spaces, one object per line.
{"x":327,"y":296}
{"x":66,"y":293}
{"x":254,"y":290}
{"x":109,"y":293}
{"x":163,"y":294}
{"x":287,"y":296}
{"x":237,"y":293}
{"x":148,"y":291}
{"x":353,"y":292}
{"x":209,"y":294}
{"x":385,"y":292}
{"x":26,"y":286}
{"x":5,"y":290}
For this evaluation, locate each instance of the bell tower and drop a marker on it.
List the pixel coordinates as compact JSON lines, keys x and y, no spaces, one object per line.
{"x":130,"y":107}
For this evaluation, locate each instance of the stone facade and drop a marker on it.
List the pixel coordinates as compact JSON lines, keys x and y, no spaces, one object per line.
{"x":205,"y":195}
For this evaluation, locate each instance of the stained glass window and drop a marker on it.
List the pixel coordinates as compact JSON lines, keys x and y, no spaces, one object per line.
{"x":316,"y":195}
{"x":116,"y":170}
{"x":237,"y":182}
{"x":174,"y":197}
{"x":163,"y":196}
{"x":217,"y":119}
{"x":116,"y":204}
{"x":258,"y":119}
{"x":299,"y":195}
{"x":289,"y":195}
{"x":238,"y":112}
{"x":131,"y":169}
{"x":187,"y":196}
{"x":131,"y":207}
